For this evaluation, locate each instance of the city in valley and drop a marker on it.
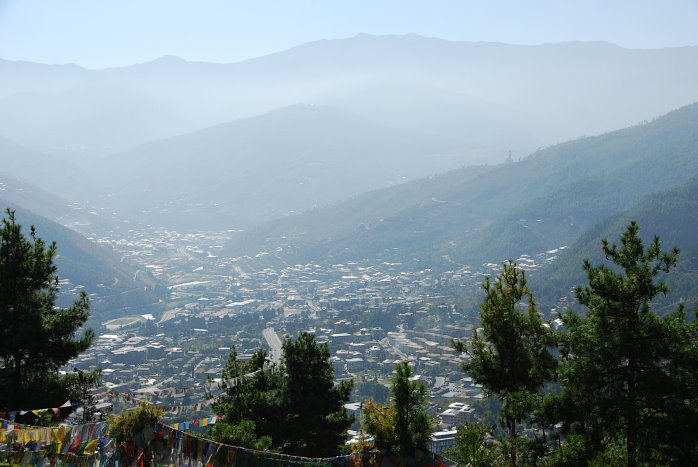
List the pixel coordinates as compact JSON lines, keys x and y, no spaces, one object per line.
{"x":372,"y":316}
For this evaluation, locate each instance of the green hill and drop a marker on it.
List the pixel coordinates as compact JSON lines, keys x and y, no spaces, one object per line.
{"x":473,"y":215}
{"x":87,"y":266}
{"x":559,"y":217}
{"x":671,"y":214}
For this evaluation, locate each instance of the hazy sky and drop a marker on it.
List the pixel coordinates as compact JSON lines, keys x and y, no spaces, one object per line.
{"x":101,"y":33}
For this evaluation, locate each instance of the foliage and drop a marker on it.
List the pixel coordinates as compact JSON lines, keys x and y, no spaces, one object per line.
{"x":316,"y":421}
{"x":628,"y":378}
{"x":128,"y":424}
{"x":404,"y":425}
{"x":362,"y":443}
{"x":294,"y":408}
{"x":79,"y":385}
{"x":37,"y":337}
{"x":474,"y":448}
{"x":371,"y":390}
{"x":671,"y":214}
{"x":379,"y":420}
{"x":510,"y":358}
{"x":252,"y":406}
{"x":413,"y":424}
{"x":243,"y":434}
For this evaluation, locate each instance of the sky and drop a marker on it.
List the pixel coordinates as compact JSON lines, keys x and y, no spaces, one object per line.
{"x":104,"y":33}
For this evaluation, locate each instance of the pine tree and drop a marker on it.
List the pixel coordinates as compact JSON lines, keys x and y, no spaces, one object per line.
{"x":295,"y":407}
{"x":413,"y":425}
{"x":403,"y":425}
{"x":316,"y":421}
{"x":79,"y":385}
{"x":628,"y":377}
{"x":251,"y":403}
{"x":510,"y":358}
{"x":37,"y":337}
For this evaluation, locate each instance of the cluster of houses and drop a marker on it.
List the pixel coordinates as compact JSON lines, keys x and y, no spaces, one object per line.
{"x":372,"y":316}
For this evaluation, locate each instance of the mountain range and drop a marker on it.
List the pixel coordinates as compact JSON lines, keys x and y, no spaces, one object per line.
{"x":489,"y":213}
{"x":245,"y":172}
{"x":396,"y":148}
{"x":490,"y":96}
{"x":396,"y":106}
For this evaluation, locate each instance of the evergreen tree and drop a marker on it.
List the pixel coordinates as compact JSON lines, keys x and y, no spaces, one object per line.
{"x":251,"y":403}
{"x":316,"y":421}
{"x":295,"y":408}
{"x":628,"y":377}
{"x":413,"y":425}
{"x":403,"y":425}
{"x":79,"y":385}
{"x":473,"y":448}
{"x":510,"y":358}
{"x":37,"y":337}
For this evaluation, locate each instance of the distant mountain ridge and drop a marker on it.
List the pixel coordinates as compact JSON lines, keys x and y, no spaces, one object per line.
{"x":247,"y":171}
{"x":459,"y":90}
{"x":52,"y":173}
{"x":401,"y":106}
{"x":471,"y":216}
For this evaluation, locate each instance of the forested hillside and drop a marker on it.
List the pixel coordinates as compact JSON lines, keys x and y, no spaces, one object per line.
{"x":671,"y":214}
{"x":658,"y":161}
{"x":474,"y":215}
{"x":115,"y":287}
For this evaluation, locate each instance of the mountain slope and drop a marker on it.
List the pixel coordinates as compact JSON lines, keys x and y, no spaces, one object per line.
{"x":557,"y":218}
{"x":75,"y":216}
{"x":671,"y":214}
{"x":251,"y":170}
{"x":90,"y":267}
{"x":491,"y":97}
{"x":448,"y":213}
{"x":51,"y":173}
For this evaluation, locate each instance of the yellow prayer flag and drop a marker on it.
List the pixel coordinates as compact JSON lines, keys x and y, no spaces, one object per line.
{"x":91,"y":447}
{"x":230,"y":458}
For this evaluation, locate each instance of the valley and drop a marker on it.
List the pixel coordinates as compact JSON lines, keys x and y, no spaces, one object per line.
{"x":392,"y":197}
{"x":372,"y":315}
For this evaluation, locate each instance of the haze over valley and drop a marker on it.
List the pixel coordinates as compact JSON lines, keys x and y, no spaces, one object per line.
{"x":398,"y":149}
{"x":360,"y":188}
{"x":199,"y":146}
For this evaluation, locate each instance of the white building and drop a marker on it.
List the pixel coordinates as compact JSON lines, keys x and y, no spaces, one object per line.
{"x":443,"y":440}
{"x":355,"y":364}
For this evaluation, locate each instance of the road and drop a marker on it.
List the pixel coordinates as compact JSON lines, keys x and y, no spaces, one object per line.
{"x":274,"y":343}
